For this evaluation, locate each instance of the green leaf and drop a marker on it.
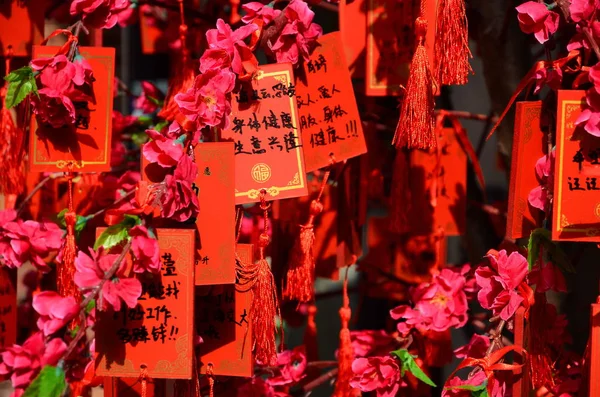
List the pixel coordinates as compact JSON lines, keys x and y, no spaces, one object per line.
{"x":112,"y":236}
{"x":90,"y":306}
{"x":21,"y":83}
{"x":542,"y":238}
{"x":472,"y":388}
{"x":73,"y":332}
{"x":60,"y":218}
{"x":139,"y":137}
{"x":80,"y":223}
{"x":131,"y":220}
{"x":49,"y":383}
{"x":533,"y":247}
{"x":159,"y":126}
{"x":409,"y":364}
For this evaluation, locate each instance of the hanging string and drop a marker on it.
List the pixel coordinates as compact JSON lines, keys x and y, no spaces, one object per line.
{"x":211,"y":379}
{"x":144,"y":381}
{"x":300,"y":276}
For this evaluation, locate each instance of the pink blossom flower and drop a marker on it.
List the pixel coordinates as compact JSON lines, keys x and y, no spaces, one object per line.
{"x":112,"y":188}
{"x":367,"y":343}
{"x":589,"y":118}
{"x":292,"y":365}
{"x":53,"y":108}
{"x":476,"y":348}
{"x":538,"y":197}
{"x":438,"y":305}
{"x":299,"y":35}
{"x":476,"y":380}
{"x":582,"y":10}
{"x":23,"y":363}
{"x":535,"y":18}
{"x":22,"y":241}
{"x":54,"y":310}
{"x":145,"y":250}
{"x":180,"y":202}
{"x":258,"y":10}
{"x":380,"y":374}
{"x":206,"y":102}
{"x":498,"y":288}
{"x":547,"y":277}
{"x":214,"y":58}
{"x":100,"y":14}
{"x":6,"y":216}
{"x":223,"y":37}
{"x":90,"y":271}
{"x":552,"y":77}
{"x":149,"y":99}
{"x":164,"y":151}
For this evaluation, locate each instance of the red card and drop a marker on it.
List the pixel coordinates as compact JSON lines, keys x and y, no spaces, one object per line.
{"x":8,"y":308}
{"x":576,"y":209}
{"x":215,"y":260}
{"x":223,"y":322}
{"x":391,"y":42}
{"x":528,"y":147}
{"x":595,"y":351}
{"x":353,"y":30}
{"x":438,"y":194}
{"x":159,"y":332}
{"x":21,"y":25}
{"x":329,"y":118}
{"x":266,"y":134}
{"x":88,"y":147}
{"x":132,"y":387}
{"x":520,"y":387}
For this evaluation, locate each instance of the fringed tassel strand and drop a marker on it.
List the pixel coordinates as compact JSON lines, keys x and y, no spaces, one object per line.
{"x":66,"y":271}
{"x":452,"y":43}
{"x":301,"y":272}
{"x":540,"y":364}
{"x":345,"y":352}
{"x":415,"y":128}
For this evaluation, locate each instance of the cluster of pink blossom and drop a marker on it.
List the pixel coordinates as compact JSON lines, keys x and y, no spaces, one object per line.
{"x":104,"y":14}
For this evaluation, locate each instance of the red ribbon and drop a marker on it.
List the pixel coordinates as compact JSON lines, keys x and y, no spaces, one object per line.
{"x":71,"y":38}
{"x":492,"y":363}
{"x":530,"y":79}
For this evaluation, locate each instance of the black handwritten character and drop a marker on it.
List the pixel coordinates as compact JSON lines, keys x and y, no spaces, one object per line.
{"x":264,"y":94}
{"x":140,"y":334}
{"x":174,"y":331}
{"x":290,"y":90}
{"x":82,"y":110}
{"x":290,"y":141}
{"x":317,"y":64}
{"x":578,"y":158}
{"x":317,"y":139}
{"x":82,"y":122}
{"x":238,"y":124}
{"x":231,"y":316}
{"x":124,"y":335}
{"x":154,"y":290}
{"x":207,"y":171}
{"x":334,"y":90}
{"x":229,"y":298}
{"x":195,"y":188}
{"x":591,"y":184}
{"x":211,"y":332}
{"x":271,"y":121}
{"x":135,"y":314}
{"x":286,"y":120}
{"x":243,"y":318}
{"x":324,"y":92}
{"x":242,"y":97}
{"x":255,"y":96}
{"x":574,"y":185}
{"x":253,"y":122}
{"x":256,"y":149}
{"x":332,"y":136}
{"x":205,"y":260}
{"x":300,"y":102}
{"x":307,"y":121}
{"x":159,"y":333}
{"x":168,"y":265}
{"x":327,"y":114}
{"x":594,"y":156}
{"x":172,"y":290}
{"x":274,"y":142}
{"x":219,"y":315}
{"x":338,"y":111}
{"x":239,"y":148}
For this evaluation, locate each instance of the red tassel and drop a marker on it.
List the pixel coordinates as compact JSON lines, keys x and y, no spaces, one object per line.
{"x":452,"y":43}
{"x":66,"y":271}
{"x":144,"y":381}
{"x":415,"y":128}
{"x":540,"y":365}
{"x":345,"y":352}
{"x":400,"y":198}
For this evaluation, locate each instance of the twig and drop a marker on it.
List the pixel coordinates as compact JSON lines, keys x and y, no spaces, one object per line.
{"x":496,"y":340}
{"x":563,"y":6}
{"x":35,"y":190}
{"x":470,"y":116}
{"x":320,"y":380}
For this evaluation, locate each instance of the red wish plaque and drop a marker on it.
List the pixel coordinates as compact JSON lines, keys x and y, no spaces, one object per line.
{"x":87,"y":146}
{"x":8,"y":308}
{"x":391,"y":42}
{"x":21,"y":25}
{"x":222,"y":320}
{"x":267,"y":139}
{"x":353,"y":24}
{"x":327,"y":109}
{"x":215,"y":260}
{"x":528,"y":148}
{"x":159,"y":332}
{"x":576,"y":206}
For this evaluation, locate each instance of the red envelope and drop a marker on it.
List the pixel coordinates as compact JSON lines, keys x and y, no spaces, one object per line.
{"x":267,"y":139}
{"x":223,"y":322}
{"x":21,"y":25}
{"x":576,"y":208}
{"x":159,"y":332}
{"x":528,"y":146}
{"x":8,"y":308}
{"x":132,"y":387}
{"x":327,"y":109}
{"x":353,"y":31}
{"x":391,"y":42}
{"x":215,"y":260}
{"x":88,"y":147}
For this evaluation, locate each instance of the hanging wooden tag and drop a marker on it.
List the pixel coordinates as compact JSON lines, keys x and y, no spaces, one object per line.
{"x":528,"y":147}
{"x":223,"y":322}
{"x":21,"y":25}
{"x":576,"y":208}
{"x":353,"y":31}
{"x":327,"y":109}
{"x":159,"y":332}
{"x":87,"y":145}
{"x":266,"y":135}
{"x":8,"y":308}
{"x":215,"y":259}
{"x":391,"y":42}
{"x":132,"y":387}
